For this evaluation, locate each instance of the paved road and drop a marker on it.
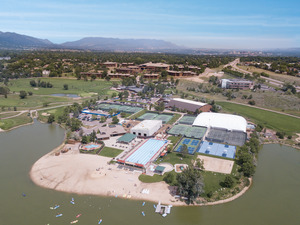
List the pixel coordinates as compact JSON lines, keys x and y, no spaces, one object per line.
{"x":272,"y":81}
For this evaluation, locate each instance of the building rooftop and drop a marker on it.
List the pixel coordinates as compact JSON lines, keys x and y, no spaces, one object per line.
{"x":146,"y":124}
{"x":190,"y":101}
{"x":127,"y":138}
{"x":221,"y":120}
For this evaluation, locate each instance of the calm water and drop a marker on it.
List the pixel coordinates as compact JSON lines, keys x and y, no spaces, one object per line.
{"x":273,"y":199}
{"x":66,"y":95}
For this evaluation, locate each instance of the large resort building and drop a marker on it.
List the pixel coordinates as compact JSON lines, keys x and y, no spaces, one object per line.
{"x":236,"y":84}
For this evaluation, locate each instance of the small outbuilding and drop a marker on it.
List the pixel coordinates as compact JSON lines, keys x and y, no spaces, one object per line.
{"x":159,"y":169}
{"x":126,"y":138}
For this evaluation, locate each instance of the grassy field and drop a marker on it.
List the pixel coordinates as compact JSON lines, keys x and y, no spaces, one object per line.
{"x":4,"y":115}
{"x":280,"y":77}
{"x":110,"y":152}
{"x":174,"y":139}
{"x":272,"y":120}
{"x":7,"y":124}
{"x":212,"y":181}
{"x":174,"y":118}
{"x":79,"y":87}
{"x":177,"y":158}
{"x":29,"y":102}
{"x":56,"y":112}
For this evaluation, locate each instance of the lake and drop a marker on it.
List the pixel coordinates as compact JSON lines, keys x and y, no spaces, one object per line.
{"x":273,"y":198}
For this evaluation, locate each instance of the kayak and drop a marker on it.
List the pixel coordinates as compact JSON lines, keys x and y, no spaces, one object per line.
{"x":143,"y":203}
{"x":58,"y":215}
{"x":78,"y":215}
{"x":100,"y":221}
{"x":75,"y":221}
{"x":143,"y":213}
{"x":72,"y":202}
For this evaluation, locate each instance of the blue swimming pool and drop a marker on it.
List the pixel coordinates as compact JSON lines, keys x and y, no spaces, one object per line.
{"x":144,"y":153}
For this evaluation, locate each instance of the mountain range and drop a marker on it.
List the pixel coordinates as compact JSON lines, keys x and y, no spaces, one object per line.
{"x":10,"y":40}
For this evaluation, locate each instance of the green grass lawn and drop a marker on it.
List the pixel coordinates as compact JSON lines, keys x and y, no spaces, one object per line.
{"x":56,"y":112}
{"x":272,"y":120}
{"x":138,"y":114}
{"x":174,"y":118}
{"x":28,"y":102}
{"x":212,"y":181}
{"x":110,"y":152}
{"x":3,"y":115}
{"x":79,"y":87}
{"x":6,"y":124}
{"x":177,"y":158}
{"x":174,"y":139}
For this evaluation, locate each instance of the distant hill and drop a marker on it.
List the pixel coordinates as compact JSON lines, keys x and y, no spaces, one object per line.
{"x":17,"y":41}
{"x":116,"y":44}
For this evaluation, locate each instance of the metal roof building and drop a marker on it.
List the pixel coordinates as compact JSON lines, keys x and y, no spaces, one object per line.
{"x":189,"y":105}
{"x":146,"y":128}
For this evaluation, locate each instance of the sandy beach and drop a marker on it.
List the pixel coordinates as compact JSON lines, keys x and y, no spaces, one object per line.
{"x":90,"y":174}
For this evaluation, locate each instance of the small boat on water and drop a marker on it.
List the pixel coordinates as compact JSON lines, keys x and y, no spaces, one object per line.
{"x":23,"y":194}
{"x":143,"y":203}
{"x":100,"y":221}
{"x":143,"y":213}
{"x":72,"y":202}
{"x":55,"y":207}
{"x":59,"y":215}
{"x":78,"y":215}
{"x":75,"y":221}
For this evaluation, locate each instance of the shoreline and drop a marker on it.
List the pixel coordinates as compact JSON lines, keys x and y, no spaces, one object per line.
{"x":95,"y":176}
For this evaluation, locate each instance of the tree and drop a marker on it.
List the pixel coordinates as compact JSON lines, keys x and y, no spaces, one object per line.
{"x":164,"y":73}
{"x":184,"y":149}
{"x":102,"y":119}
{"x":228,"y":182}
{"x":4,"y":90}
{"x":51,"y":118}
{"x":199,"y":164}
{"x":66,"y":87}
{"x":32,"y":83}
{"x":248,"y":169}
{"x":170,"y":178}
{"x":190,"y":184}
{"x":251,"y":102}
{"x":30,"y":93}
{"x":115,"y":120}
{"x":93,"y":136}
{"x":23,"y":94}
{"x":84,"y":139}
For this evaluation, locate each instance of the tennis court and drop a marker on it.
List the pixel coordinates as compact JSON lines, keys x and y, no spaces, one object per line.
{"x":187,"y":131}
{"x":224,"y":136}
{"x":147,"y":116}
{"x":163,"y":117}
{"x":210,"y":148}
{"x":155,"y":116}
{"x":191,"y":145}
{"x":189,"y":120}
{"x":119,"y":108}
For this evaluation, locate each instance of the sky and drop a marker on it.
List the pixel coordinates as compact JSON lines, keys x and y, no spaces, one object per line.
{"x":231,"y":24}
